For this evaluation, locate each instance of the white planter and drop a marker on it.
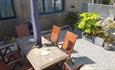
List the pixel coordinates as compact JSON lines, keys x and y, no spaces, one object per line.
{"x":90,"y":39}
{"x":99,"y":41}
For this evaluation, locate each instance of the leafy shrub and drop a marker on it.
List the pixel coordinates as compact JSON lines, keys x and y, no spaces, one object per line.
{"x":71,"y":17}
{"x":106,"y":2}
{"x":88,"y":23}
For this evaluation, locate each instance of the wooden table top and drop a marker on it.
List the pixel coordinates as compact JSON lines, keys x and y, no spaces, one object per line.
{"x":35,"y":55}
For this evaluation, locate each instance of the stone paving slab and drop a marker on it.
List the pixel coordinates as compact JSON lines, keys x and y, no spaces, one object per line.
{"x":93,"y":55}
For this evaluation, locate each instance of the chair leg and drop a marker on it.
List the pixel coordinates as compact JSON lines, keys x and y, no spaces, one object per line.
{"x":72,"y":61}
{"x":69,"y":59}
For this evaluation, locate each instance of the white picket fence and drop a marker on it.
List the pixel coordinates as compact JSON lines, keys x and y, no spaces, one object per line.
{"x":103,"y":10}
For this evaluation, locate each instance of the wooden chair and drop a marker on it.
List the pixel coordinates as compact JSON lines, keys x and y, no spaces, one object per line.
{"x":25,"y":67}
{"x":4,"y":66}
{"x":22,"y":30}
{"x":69,"y":42}
{"x":54,"y":35}
{"x":67,"y":67}
{"x":10,"y":53}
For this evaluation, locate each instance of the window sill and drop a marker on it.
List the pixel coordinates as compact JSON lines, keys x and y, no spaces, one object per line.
{"x":9,"y":18}
{"x":49,"y":13}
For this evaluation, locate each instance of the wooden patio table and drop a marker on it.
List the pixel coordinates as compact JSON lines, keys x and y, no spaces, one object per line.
{"x":35,"y":56}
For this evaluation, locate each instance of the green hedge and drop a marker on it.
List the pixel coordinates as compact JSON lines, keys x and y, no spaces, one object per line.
{"x":106,"y":2}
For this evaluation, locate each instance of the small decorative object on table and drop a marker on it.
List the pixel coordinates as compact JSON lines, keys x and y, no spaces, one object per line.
{"x":45,"y":50}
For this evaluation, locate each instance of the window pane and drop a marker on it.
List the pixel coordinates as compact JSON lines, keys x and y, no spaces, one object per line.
{"x":58,"y":6}
{"x":40,"y":6}
{"x":49,"y":5}
{"x":6,"y":9}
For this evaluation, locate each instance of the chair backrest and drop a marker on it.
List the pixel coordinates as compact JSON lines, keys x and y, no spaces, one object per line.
{"x":69,"y":41}
{"x":22,"y":30}
{"x":67,"y":67}
{"x":4,"y":66}
{"x":55,"y":33}
{"x":9,"y":48}
{"x":10,"y":53}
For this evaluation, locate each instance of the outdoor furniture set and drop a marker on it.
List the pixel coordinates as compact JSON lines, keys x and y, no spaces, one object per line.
{"x":46,"y":56}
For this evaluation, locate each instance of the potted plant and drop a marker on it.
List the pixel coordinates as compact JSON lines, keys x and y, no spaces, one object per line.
{"x":108,"y":43}
{"x":108,"y":26}
{"x":103,"y":30}
{"x":88,"y":24}
{"x":71,"y":17}
{"x":99,"y":36}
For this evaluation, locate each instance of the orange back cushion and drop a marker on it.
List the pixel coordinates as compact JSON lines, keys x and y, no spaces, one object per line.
{"x":69,"y":40}
{"x":55,"y":33}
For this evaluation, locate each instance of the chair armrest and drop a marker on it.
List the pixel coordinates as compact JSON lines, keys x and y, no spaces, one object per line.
{"x":8,"y":45}
{"x":69,"y":52}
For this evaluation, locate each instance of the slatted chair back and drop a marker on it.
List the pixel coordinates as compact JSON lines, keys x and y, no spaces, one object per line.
{"x":55,"y":34}
{"x":67,"y":67}
{"x":22,"y":30}
{"x":10,"y":53}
